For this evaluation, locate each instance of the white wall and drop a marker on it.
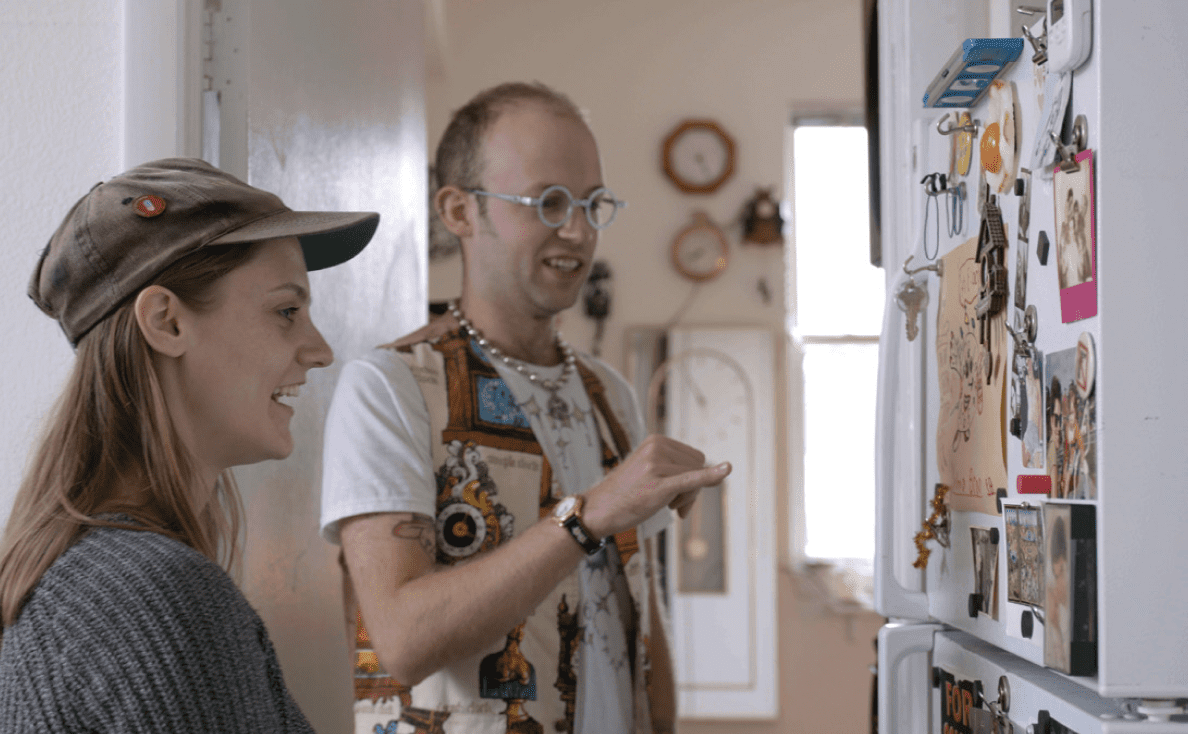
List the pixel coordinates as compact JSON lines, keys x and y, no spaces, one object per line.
{"x":640,"y":67}
{"x":61,"y":62}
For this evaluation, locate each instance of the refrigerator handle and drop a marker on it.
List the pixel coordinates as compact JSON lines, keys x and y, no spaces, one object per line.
{"x":897,"y":640}
{"x":891,"y":598}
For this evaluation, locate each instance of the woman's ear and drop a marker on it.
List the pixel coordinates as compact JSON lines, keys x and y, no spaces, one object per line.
{"x":451,"y":204}
{"x":158,"y":314}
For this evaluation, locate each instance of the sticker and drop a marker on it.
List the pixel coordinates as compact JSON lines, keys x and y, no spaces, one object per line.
{"x":957,"y":703}
{"x":149,"y":206}
{"x":1002,"y":117}
{"x":1033,"y":484}
{"x":1076,"y":263}
{"x":1072,"y":429}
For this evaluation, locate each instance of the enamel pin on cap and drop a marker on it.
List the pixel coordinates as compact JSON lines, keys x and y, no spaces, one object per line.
{"x":149,"y":206}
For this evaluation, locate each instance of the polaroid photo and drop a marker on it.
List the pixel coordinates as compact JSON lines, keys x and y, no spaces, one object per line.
{"x":985,"y":558}
{"x":1070,"y":588}
{"x":1071,"y":423}
{"x":1076,"y":262}
{"x":1033,"y":413}
{"x":1025,"y":554}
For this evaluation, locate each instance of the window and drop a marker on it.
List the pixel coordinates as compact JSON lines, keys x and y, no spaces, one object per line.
{"x":834,"y":318}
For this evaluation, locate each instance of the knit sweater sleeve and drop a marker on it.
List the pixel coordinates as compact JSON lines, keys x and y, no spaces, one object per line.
{"x":133,"y":632}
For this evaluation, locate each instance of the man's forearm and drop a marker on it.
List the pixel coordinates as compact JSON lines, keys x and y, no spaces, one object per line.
{"x":429,"y":621}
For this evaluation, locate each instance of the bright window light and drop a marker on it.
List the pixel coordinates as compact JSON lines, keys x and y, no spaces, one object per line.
{"x":836,"y":315}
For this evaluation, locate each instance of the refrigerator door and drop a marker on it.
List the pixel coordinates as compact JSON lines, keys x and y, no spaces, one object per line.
{"x":978,"y":688}
{"x":1141,"y":417}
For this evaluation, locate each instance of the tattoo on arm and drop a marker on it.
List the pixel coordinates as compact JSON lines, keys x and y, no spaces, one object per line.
{"x":420,"y":529}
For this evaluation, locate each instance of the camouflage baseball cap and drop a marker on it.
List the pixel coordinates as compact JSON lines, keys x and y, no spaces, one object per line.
{"x":128,"y":230}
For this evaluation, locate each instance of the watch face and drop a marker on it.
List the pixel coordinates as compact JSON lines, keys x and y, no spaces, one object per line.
{"x":564,"y":507}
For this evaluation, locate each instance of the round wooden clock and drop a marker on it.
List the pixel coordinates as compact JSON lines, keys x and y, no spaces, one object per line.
{"x":698,"y":156}
{"x":700,"y":251}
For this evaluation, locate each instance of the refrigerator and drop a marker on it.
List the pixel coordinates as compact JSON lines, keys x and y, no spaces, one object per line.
{"x":1032,"y":434}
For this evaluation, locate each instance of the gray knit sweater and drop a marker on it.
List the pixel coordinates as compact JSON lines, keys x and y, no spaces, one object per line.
{"x":130,"y":631}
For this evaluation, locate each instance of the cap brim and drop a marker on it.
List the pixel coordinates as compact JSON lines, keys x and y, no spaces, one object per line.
{"x":327,"y":238}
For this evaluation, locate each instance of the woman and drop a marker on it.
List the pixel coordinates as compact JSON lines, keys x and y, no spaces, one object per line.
{"x":186,"y":296}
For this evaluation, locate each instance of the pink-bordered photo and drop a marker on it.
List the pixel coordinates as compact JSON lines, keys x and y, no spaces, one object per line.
{"x":1076,"y":246}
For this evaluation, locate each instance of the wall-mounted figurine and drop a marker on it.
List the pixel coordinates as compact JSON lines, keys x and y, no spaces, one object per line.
{"x":762,"y":223}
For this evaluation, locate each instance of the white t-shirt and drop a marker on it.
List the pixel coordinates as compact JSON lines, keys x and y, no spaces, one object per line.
{"x":378,"y":459}
{"x":377,"y":443}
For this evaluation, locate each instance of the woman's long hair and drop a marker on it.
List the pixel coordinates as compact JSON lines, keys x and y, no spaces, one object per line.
{"x":109,"y":428}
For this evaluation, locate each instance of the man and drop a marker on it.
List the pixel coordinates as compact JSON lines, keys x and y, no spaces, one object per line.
{"x":491,"y":600}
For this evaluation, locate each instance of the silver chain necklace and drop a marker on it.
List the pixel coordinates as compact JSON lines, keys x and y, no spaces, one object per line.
{"x":558,"y":409}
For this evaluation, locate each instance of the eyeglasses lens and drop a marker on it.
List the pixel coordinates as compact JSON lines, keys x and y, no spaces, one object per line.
{"x":555,"y":206}
{"x":601,"y":209}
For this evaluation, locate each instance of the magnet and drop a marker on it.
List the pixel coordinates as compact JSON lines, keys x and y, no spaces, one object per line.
{"x":999,"y":496}
{"x":1033,"y":484}
{"x":1041,"y":248}
{"x":1027,"y":624}
{"x":1016,"y":427}
{"x":975,"y":604}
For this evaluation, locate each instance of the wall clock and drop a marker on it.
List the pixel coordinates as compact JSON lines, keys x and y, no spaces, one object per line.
{"x":698,"y":156}
{"x":700,"y":251}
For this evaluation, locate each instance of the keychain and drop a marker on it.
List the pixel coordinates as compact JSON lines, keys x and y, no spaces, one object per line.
{"x":912,"y":296}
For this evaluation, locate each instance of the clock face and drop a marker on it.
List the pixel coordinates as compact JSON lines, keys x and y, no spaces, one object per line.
{"x":698,"y":156}
{"x":714,"y":416}
{"x":700,"y":251}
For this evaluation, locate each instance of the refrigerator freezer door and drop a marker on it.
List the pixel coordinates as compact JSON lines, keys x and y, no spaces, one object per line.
{"x":903,"y":677}
{"x":978,"y":687}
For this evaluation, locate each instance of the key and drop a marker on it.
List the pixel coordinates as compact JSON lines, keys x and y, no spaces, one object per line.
{"x":911,"y":299}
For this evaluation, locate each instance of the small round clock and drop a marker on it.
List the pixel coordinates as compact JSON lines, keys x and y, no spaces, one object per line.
{"x":700,"y":251}
{"x":698,"y":156}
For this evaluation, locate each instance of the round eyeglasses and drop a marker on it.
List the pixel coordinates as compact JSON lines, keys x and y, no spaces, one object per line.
{"x":555,"y":205}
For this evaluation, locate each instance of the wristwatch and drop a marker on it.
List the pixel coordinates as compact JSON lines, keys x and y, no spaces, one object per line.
{"x":568,"y":514}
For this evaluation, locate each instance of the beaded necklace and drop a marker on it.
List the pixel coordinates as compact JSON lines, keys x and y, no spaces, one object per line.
{"x":558,"y":409}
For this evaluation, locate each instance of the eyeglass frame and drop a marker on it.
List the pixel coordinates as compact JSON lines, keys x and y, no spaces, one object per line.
{"x":538,"y":202}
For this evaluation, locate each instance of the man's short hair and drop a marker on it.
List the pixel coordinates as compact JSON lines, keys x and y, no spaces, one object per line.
{"x":459,"y":157}
{"x":459,"y":154}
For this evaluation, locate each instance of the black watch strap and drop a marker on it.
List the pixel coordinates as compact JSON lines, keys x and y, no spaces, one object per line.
{"x":588,"y":542}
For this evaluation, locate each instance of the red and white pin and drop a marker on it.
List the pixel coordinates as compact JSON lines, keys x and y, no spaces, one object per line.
{"x":149,"y":206}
